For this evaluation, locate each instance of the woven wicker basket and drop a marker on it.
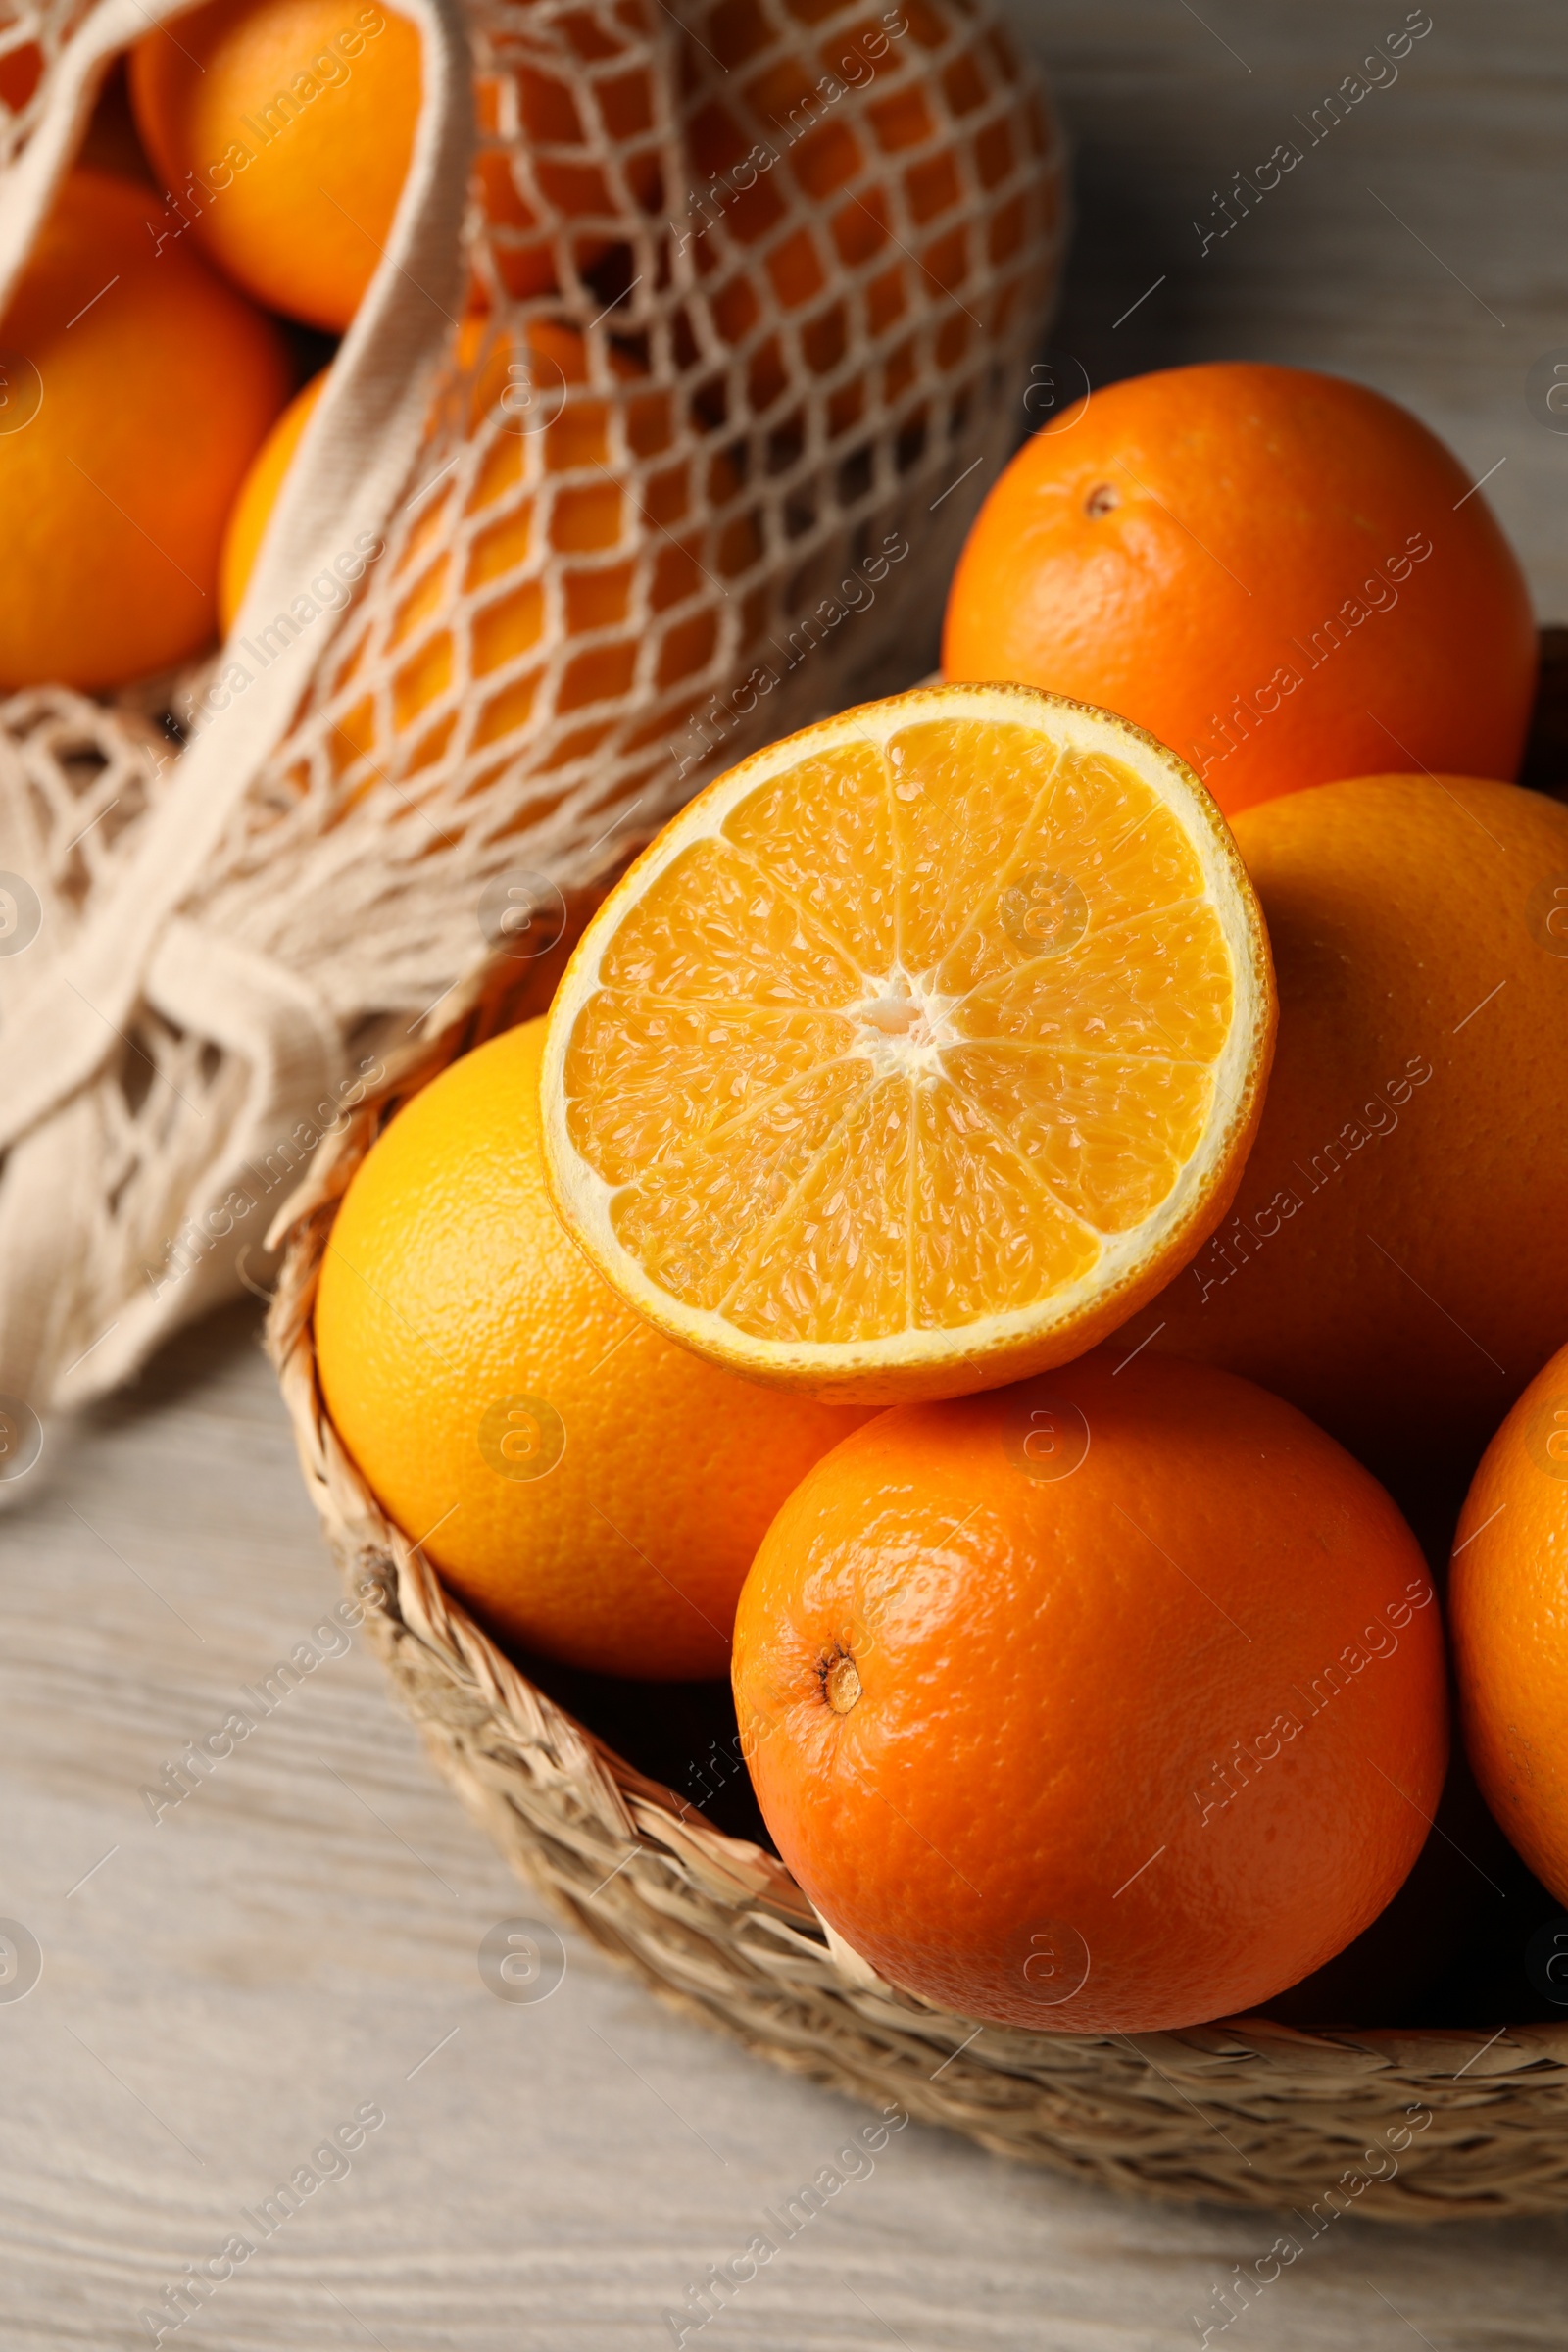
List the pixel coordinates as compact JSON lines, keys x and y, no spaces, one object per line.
{"x":1407,"y":2124}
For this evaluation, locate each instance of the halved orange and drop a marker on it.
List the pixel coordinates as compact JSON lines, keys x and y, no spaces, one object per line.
{"x":918,"y":1051}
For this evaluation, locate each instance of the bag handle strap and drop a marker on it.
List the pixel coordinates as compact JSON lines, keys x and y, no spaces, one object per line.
{"x":352,"y":465}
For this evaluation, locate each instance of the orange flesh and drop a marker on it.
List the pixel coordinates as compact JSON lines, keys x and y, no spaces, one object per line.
{"x":909,"y":1039}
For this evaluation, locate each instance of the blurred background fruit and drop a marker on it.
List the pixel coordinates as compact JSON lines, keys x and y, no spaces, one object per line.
{"x":830,"y":356}
{"x":111,"y":141}
{"x":1508,"y":1608}
{"x":282,"y":131}
{"x":20,"y":72}
{"x":1283,"y":575}
{"x":538,"y":167}
{"x":926,"y":141}
{"x":1396,"y":1261}
{"x":1108,"y":1702}
{"x":595,"y":1492}
{"x":919,"y":1048}
{"x":252,"y":509}
{"x":545,"y":488}
{"x":138,"y":389}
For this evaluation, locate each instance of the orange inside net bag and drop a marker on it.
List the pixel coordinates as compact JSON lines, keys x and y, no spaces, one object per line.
{"x":691,"y":353}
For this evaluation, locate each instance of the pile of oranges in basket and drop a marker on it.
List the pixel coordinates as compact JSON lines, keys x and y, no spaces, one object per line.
{"x":1012,"y":1185}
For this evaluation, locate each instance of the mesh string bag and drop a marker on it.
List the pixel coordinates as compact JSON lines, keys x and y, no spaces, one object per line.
{"x":691,"y":355}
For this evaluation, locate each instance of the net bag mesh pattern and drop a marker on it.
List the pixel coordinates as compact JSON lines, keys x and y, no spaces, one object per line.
{"x":757,"y":300}
{"x":1402,"y":2125}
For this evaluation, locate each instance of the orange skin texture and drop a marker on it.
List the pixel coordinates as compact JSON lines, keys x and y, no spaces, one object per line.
{"x":253,"y":508}
{"x":1406,"y":1300}
{"x":113,"y":499}
{"x":449,"y":1286}
{"x":300,"y":226}
{"x":1508,"y":1611}
{"x":1252,"y":505}
{"x":1052,"y":1670}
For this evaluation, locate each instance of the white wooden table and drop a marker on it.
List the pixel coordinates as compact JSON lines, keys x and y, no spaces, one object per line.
{"x":297,"y":1941}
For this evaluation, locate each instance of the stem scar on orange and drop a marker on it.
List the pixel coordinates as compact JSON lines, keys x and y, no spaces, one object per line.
{"x":917,"y":1051}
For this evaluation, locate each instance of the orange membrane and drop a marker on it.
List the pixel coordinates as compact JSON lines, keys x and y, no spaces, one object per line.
{"x":905,"y":1041}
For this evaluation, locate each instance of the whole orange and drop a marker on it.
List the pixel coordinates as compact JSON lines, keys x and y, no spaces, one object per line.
{"x":1284,"y":577}
{"x":1395,"y":1259}
{"x":253,"y":508}
{"x":137,"y":389}
{"x":1108,"y":1702}
{"x":282,"y":130}
{"x":1508,"y":1608}
{"x":593,"y":1490}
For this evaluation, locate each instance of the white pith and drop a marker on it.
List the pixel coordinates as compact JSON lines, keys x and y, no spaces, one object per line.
{"x":903,"y":1027}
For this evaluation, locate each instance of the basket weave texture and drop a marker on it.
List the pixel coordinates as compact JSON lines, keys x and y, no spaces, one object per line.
{"x":1404,"y":2124}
